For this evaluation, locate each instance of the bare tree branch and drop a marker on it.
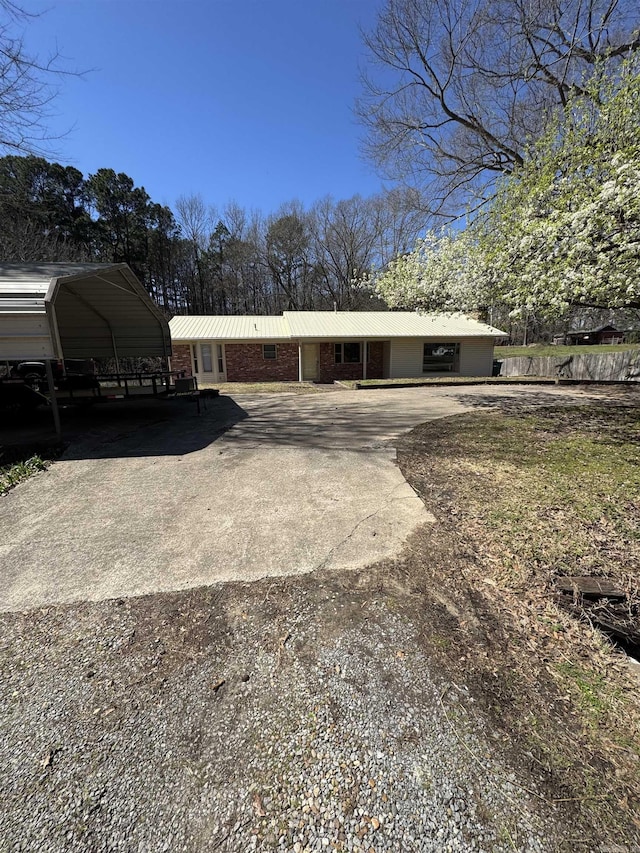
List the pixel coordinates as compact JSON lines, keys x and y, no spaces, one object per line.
{"x":28,"y":87}
{"x":457,"y":90}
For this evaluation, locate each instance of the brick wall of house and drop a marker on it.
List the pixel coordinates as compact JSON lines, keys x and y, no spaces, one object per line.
{"x":245,"y":363}
{"x":329,"y":370}
{"x":181,"y":358}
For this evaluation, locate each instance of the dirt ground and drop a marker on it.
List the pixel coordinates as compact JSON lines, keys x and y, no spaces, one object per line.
{"x":522,"y":496}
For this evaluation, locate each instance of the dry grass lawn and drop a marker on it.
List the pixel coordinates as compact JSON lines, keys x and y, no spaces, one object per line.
{"x":520,"y":499}
{"x":233,"y":388}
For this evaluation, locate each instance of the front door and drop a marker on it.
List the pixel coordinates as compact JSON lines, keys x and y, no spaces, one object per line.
{"x":310,"y":362}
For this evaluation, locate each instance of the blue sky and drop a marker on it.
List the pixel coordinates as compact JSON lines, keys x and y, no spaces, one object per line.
{"x":235,"y":99}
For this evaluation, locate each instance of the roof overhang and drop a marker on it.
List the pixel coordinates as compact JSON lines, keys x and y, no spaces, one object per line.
{"x":196,"y":339}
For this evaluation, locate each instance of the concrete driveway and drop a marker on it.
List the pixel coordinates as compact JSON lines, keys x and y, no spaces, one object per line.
{"x":256,"y":486}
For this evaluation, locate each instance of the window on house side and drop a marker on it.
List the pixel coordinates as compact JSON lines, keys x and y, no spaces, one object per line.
{"x":269,"y":351}
{"x":347,"y":353}
{"x":441,"y":358}
{"x":194,"y":350}
{"x":220,"y":359}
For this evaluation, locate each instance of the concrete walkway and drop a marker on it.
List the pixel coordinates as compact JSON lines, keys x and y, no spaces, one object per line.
{"x":256,"y":486}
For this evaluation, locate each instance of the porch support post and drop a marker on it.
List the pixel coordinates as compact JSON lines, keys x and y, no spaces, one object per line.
{"x":53,"y":398}
{"x":365,"y":353}
{"x":299,"y":361}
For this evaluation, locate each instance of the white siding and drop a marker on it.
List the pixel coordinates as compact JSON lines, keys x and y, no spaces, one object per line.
{"x":406,"y":358}
{"x":476,"y":357}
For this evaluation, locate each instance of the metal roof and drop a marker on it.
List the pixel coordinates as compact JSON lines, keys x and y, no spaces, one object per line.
{"x":77,"y":311}
{"x":23,"y":287}
{"x":330,"y":325}
{"x":229,"y":328}
{"x":384,"y":324}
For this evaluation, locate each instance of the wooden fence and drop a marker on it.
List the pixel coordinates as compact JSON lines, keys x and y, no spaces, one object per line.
{"x":596,"y":367}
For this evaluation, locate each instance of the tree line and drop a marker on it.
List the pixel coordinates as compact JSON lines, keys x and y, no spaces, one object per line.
{"x":197,"y":259}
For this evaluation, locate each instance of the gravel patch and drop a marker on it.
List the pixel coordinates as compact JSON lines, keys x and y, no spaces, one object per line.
{"x":289,"y":716}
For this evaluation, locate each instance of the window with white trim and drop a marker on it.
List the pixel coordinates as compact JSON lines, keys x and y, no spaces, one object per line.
{"x":269,"y":351}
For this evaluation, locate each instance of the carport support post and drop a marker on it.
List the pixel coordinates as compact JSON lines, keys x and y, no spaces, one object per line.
{"x":299,"y":361}
{"x":364,"y":359}
{"x":53,"y":398}
{"x":115,"y":353}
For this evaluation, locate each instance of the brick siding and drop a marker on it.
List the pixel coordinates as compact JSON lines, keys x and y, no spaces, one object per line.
{"x":181,"y":358}
{"x":329,"y":370}
{"x":245,"y":363}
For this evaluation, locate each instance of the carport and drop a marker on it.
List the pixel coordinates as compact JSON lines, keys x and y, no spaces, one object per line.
{"x":92,"y":311}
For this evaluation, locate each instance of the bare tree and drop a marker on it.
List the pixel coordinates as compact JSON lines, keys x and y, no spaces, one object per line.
{"x":343,"y":240}
{"x":289,"y":257}
{"x":399,"y":218}
{"x":457,"y":89}
{"x":194,"y":219}
{"x":28,"y":85}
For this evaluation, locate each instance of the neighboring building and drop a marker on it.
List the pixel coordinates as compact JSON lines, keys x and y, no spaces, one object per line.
{"x":322,"y":346}
{"x":602,"y":335}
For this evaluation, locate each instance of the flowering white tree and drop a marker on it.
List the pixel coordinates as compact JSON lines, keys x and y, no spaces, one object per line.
{"x":563,"y":231}
{"x":445,"y":272}
{"x":586,"y":254}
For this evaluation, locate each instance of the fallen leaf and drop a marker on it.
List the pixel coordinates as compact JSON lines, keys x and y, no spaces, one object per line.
{"x":257,"y":806}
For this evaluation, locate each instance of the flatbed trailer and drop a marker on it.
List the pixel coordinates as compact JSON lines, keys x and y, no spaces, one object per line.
{"x":106,"y":387}
{"x":89,"y":389}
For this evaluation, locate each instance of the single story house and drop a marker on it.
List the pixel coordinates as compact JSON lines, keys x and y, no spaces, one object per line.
{"x":322,"y":346}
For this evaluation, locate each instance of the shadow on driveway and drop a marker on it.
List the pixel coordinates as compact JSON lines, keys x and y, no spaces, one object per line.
{"x":123,"y":429}
{"x":360,"y":421}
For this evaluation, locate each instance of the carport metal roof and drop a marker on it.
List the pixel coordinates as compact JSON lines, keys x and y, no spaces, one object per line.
{"x":77,"y":311}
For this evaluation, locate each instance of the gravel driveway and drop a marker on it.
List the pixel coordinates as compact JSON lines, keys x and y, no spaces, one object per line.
{"x":284,"y":715}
